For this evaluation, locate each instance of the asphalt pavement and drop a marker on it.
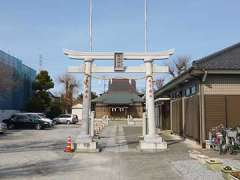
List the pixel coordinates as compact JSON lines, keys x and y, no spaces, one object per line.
{"x":38,"y":154}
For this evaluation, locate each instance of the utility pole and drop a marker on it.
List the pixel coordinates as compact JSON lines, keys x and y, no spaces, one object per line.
{"x":146,"y":26}
{"x":146,"y":44}
{"x":90,"y":25}
{"x":40,"y":63}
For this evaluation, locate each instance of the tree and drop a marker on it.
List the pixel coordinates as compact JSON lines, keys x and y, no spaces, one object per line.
{"x":55,"y":109}
{"x":80,"y":97}
{"x":159,"y":83}
{"x":43,"y":82}
{"x":179,"y":65}
{"x":8,"y":77}
{"x":70,"y":87}
{"x":40,"y":102}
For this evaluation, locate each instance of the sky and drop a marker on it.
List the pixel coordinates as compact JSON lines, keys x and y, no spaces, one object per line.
{"x":30,"y":28}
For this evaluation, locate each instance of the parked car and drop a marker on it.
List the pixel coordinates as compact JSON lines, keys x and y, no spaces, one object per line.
{"x":42,"y":117}
{"x":23,"y":120}
{"x":3,"y":127}
{"x":67,"y":119}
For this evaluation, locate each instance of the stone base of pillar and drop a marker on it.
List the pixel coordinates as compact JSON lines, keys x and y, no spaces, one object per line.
{"x":152,"y":143}
{"x":85,"y":144}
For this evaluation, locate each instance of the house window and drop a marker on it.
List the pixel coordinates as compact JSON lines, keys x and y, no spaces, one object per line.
{"x":188,"y":92}
{"x":181,"y":93}
{"x":193,"y":89}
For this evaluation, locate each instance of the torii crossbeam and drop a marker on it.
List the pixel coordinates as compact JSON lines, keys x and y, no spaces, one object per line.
{"x":127,"y":56}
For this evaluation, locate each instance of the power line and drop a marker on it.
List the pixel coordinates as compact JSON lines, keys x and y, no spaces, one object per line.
{"x":146,"y":26}
{"x":40,"y":63}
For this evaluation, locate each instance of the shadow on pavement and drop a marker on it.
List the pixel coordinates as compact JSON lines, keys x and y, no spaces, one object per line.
{"x":39,"y":168}
{"x":171,"y":142}
{"x":32,"y":146}
{"x":104,"y":145}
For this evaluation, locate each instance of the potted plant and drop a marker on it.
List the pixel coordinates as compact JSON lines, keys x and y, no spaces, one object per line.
{"x":214,"y":165}
{"x":226,"y":172}
{"x":235,"y":175}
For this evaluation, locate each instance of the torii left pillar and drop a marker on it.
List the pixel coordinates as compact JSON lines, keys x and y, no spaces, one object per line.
{"x":84,"y":142}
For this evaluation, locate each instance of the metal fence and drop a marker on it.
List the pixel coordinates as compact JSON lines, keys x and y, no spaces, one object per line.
{"x":15,"y":98}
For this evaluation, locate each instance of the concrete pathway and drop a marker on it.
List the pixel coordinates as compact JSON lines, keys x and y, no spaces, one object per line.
{"x":119,"y":138}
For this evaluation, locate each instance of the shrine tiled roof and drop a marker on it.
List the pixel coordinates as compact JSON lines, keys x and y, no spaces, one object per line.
{"x":126,"y":85}
{"x":118,"y":98}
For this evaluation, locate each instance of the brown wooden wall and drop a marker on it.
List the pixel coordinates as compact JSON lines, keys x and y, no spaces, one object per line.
{"x":177,"y":116}
{"x":165,"y":109}
{"x":222,"y":109}
{"x":215,"y":111}
{"x":219,"y":109}
{"x":192,"y":118}
{"x":101,"y":110}
{"x":233,"y":111}
{"x":136,"y":111}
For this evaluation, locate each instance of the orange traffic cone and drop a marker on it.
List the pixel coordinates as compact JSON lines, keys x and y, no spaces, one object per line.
{"x":69,"y":147}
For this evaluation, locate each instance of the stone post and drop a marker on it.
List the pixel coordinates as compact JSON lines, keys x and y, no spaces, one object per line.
{"x":152,"y":141}
{"x":150,"y":97}
{"x":86,"y":97}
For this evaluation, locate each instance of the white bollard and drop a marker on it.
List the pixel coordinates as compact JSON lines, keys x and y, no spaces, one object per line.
{"x":92,"y":124}
{"x":144,"y":132}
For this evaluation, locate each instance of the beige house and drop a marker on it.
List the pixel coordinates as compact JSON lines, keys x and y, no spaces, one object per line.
{"x":77,"y":109}
{"x":206,"y":95}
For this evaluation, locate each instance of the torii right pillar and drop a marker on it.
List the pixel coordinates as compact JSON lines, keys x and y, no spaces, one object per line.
{"x":152,"y":141}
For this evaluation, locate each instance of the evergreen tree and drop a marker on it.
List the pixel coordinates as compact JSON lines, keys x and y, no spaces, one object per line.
{"x":41,"y":101}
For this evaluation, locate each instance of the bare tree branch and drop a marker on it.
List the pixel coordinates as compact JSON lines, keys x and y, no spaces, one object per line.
{"x":182,"y":63}
{"x":179,"y":65}
{"x":70,"y":88}
{"x":172,"y":70}
{"x":159,"y":83}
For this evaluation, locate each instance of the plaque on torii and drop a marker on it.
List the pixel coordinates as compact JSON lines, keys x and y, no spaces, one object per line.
{"x":118,"y":62}
{"x":151,"y":139}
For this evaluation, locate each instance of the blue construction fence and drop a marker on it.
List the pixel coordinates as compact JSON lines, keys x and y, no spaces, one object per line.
{"x":16,"y":98}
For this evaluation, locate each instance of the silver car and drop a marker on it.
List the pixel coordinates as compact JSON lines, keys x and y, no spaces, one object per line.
{"x":66,"y":119}
{"x":3,"y":127}
{"x":42,"y":117}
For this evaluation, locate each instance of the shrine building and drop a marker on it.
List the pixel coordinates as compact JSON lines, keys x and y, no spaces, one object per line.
{"x":120,"y":102}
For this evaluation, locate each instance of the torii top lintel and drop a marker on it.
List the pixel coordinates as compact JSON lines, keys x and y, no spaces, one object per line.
{"x":127,"y":56}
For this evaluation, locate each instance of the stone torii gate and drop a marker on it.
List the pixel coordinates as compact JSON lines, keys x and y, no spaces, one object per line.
{"x":151,"y":141}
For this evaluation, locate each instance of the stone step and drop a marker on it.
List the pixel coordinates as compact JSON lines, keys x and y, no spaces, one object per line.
{"x":117,"y":122}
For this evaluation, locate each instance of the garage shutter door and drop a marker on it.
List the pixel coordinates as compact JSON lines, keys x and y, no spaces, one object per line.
{"x":233,"y":111}
{"x":215,"y":111}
